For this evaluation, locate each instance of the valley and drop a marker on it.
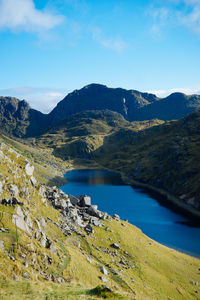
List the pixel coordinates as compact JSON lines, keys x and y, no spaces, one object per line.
{"x":59,"y":237}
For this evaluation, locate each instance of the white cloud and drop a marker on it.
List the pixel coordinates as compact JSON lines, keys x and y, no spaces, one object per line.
{"x":43,"y":99}
{"x":116,"y":44}
{"x":21,"y":15}
{"x":191,"y":18}
{"x":176,"y":13}
{"x":187,"y":91}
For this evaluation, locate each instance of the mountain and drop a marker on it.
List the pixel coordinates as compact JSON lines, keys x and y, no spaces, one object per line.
{"x":173,"y":107}
{"x":57,"y":246}
{"x":100,"y":97}
{"x":18,"y":119}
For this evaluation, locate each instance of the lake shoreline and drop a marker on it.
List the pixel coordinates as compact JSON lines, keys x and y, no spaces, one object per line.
{"x":162,"y":196}
{"x":169,"y":243}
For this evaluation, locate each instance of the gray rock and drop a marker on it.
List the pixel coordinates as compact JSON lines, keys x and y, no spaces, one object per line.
{"x":89,"y":229}
{"x":116,"y":217}
{"x":115,"y":246}
{"x":95,"y":221}
{"x":33,"y":181}
{"x":53,"y":249}
{"x":94,"y":212}
{"x":20,"y":222}
{"x":42,"y":190}
{"x":103,"y":270}
{"x":26,"y":275}
{"x":60,"y":280}
{"x":1,"y":244}
{"x":29,"y":169}
{"x":85,"y":201}
{"x":103,"y":279}
{"x":43,"y":223}
{"x":74,"y":200}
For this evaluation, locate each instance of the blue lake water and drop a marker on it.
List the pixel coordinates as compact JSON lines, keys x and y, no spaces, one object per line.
{"x":108,"y":191}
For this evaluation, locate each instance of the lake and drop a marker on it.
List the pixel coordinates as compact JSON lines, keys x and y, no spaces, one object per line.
{"x":108,"y":191}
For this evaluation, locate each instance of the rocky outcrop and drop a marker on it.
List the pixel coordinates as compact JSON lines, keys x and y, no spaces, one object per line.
{"x":76,"y":211}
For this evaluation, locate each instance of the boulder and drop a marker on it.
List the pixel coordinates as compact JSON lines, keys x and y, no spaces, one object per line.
{"x":103,"y":270}
{"x":94,"y":212}
{"x":116,"y":217}
{"x":103,"y":279}
{"x":29,"y":169}
{"x":89,"y":229}
{"x":74,"y":200}
{"x":115,"y":245}
{"x":33,"y":181}
{"x":95,"y":221}
{"x":19,"y":220}
{"x":1,"y":244}
{"x":85,"y":201}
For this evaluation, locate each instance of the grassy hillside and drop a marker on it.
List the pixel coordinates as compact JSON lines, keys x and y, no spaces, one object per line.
{"x":69,"y":265}
{"x":81,"y":134}
{"x":165,"y":156}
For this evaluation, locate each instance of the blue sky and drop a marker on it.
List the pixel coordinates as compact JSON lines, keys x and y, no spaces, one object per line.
{"x":51,"y":47}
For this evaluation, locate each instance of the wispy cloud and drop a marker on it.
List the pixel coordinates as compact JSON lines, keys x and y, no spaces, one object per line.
{"x":116,"y":43}
{"x":187,"y":91}
{"x":160,"y":16}
{"x":176,"y":13}
{"x":43,"y":99}
{"x":22,"y":15}
{"x":191,"y":18}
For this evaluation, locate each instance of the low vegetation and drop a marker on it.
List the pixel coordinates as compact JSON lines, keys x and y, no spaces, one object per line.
{"x":78,"y":265}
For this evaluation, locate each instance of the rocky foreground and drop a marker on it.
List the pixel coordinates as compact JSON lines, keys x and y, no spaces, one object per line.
{"x":58,"y":242}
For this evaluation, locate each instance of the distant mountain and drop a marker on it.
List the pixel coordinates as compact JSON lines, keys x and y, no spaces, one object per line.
{"x":173,"y":107}
{"x":100,"y":97}
{"x":18,"y":119}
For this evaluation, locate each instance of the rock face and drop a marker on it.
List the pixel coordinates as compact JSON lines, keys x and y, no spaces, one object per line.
{"x":19,"y":220}
{"x":18,"y":119}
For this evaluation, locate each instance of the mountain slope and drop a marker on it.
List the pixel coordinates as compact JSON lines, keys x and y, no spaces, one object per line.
{"x":100,"y":97}
{"x":81,"y":134}
{"x":53,"y":246}
{"x":18,"y":119}
{"x":173,"y":107}
{"x":165,"y":156}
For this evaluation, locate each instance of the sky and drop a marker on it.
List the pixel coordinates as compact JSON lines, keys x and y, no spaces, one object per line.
{"x":48,"y":48}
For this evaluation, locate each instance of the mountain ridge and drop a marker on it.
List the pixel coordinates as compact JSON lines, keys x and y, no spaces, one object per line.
{"x":19,"y":120}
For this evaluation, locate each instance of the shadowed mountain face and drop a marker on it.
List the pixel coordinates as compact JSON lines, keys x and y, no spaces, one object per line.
{"x":99,"y":97}
{"x":18,"y":119}
{"x":173,"y":107}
